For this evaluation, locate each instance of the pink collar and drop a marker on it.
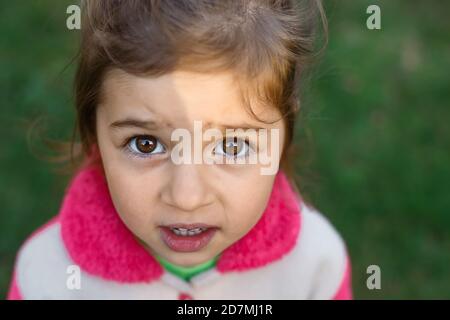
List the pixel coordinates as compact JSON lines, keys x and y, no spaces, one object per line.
{"x":99,"y":242}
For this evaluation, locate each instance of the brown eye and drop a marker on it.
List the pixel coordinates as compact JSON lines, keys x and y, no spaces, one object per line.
{"x":145,"y":145}
{"x":233,"y":147}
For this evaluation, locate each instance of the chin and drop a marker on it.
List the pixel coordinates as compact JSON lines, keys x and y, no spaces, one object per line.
{"x":188,"y":259}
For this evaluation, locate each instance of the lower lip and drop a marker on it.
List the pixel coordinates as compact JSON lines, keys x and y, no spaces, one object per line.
{"x":187,"y":243}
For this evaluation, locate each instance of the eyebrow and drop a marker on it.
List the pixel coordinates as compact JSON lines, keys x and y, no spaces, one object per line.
{"x":243,"y":126}
{"x":135,"y":123}
{"x":151,"y":124}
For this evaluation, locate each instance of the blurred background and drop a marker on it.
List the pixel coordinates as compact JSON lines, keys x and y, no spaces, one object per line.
{"x":374,"y":136}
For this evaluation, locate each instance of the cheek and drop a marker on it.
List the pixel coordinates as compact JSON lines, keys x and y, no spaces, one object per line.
{"x":132,"y":197}
{"x":248,"y":201}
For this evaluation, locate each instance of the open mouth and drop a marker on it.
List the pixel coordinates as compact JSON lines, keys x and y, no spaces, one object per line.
{"x":187,"y":238}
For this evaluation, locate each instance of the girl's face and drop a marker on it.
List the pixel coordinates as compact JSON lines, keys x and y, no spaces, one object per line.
{"x":151,"y":192}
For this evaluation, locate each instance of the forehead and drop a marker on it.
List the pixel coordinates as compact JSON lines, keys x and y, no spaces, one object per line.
{"x":181,"y":97}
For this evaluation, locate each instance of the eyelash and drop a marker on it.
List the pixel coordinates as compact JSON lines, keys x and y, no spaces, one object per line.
{"x":128,"y":149}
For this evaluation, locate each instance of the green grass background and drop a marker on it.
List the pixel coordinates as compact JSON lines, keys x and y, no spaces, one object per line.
{"x":376,"y":117}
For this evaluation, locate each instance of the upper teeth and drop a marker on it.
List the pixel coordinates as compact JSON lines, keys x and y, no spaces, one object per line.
{"x":187,"y":232}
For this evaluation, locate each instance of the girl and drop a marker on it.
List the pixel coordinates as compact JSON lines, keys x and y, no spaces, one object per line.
{"x":135,"y":224}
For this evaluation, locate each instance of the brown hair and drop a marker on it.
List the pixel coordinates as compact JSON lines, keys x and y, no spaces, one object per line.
{"x":268,"y":43}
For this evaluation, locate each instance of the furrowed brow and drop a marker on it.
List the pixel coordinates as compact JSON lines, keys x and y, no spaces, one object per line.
{"x":136,"y":123}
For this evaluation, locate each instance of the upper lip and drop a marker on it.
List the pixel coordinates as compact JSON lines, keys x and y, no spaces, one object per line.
{"x":189,"y":226}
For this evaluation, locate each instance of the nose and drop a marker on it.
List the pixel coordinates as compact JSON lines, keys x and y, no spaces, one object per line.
{"x":187,"y":189}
